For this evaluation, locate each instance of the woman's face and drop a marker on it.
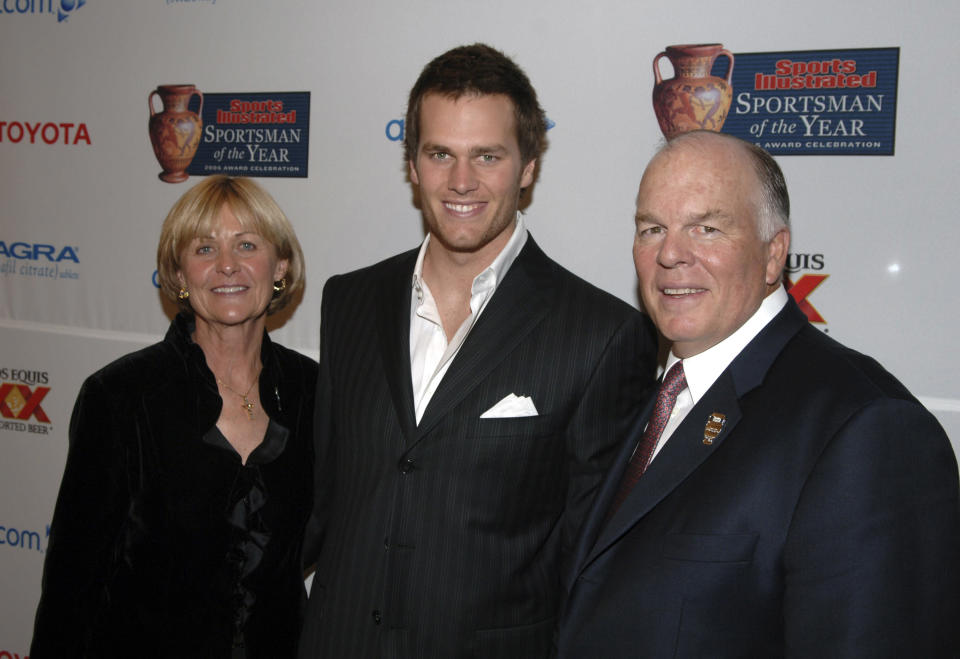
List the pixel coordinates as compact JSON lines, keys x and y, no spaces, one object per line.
{"x":230,"y":273}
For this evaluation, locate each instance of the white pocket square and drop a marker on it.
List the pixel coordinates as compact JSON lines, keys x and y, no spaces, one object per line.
{"x":511,"y":406}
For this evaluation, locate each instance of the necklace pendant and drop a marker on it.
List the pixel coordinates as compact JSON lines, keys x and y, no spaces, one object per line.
{"x":246,"y":404}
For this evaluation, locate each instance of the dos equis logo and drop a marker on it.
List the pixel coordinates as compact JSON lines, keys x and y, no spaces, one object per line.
{"x":801,"y":284}
{"x":21,"y":394}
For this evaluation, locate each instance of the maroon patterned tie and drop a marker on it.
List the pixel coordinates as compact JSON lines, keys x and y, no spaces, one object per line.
{"x":672,"y":385}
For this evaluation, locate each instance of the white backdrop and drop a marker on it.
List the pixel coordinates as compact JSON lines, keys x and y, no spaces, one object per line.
{"x":884,"y":226}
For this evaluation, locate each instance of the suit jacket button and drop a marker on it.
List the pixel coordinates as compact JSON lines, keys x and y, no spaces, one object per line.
{"x":406,"y":466}
{"x":377,"y":618}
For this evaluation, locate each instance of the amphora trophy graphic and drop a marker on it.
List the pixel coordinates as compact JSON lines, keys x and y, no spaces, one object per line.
{"x":175,"y":132}
{"x":692,"y":99}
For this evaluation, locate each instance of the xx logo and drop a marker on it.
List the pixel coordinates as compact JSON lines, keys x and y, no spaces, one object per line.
{"x":801,"y":289}
{"x":18,"y":402}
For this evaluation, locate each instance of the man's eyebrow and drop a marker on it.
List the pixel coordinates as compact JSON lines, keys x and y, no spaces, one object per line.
{"x":712,"y":214}
{"x":484,"y":150}
{"x":716,"y":216}
{"x":474,"y":151}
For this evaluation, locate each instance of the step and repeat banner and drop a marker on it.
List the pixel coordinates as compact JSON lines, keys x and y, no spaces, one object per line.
{"x":110,"y":110}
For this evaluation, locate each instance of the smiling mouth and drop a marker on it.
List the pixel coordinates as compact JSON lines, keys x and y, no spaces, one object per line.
{"x":229,"y":289}
{"x":682,"y":291}
{"x":462,"y":208}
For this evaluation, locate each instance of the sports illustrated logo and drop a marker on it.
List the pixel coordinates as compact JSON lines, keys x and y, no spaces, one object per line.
{"x":813,"y":102}
{"x":394,"y":129}
{"x":38,"y":260}
{"x":817,"y":102}
{"x":242,"y":134}
{"x":15,"y":132}
{"x":800,"y":288}
{"x":63,"y":10}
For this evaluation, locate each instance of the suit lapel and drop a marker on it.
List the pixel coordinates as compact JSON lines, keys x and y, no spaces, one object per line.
{"x":393,"y":330}
{"x":681,"y":455}
{"x":686,"y":449}
{"x":520,"y":302}
{"x":594,"y":522}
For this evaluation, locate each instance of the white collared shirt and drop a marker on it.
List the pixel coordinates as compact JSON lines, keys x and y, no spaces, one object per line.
{"x":430,"y":353}
{"x":703,"y":369}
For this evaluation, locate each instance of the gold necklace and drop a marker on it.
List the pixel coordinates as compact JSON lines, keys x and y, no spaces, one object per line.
{"x":246,"y":405}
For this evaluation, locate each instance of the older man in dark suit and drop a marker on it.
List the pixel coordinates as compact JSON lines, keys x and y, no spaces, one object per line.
{"x":783,"y":495}
{"x":471,"y":396}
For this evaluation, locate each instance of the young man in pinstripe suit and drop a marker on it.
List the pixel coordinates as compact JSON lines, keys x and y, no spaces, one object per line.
{"x":471,"y":395}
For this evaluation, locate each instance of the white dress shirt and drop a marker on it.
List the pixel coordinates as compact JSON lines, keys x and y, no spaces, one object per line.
{"x":703,"y":369}
{"x":430,"y":353}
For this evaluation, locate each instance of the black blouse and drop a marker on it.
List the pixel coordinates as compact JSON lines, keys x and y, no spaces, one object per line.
{"x":249,"y":534}
{"x":163,"y":543}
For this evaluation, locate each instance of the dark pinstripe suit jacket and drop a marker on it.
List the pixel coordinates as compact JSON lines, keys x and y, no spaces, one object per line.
{"x":446,"y":539}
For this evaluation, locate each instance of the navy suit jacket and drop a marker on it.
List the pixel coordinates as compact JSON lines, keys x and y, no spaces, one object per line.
{"x":449,"y":538}
{"x":823,"y":521}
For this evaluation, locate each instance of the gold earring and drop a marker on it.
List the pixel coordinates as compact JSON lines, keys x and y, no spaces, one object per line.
{"x":183,"y":294}
{"x":279,"y":287}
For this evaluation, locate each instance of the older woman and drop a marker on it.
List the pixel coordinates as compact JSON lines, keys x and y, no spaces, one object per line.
{"x":188,"y":481}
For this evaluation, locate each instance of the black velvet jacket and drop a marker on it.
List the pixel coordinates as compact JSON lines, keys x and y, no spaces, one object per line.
{"x":163,"y":544}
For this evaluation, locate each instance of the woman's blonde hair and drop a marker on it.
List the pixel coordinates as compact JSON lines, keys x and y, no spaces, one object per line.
{"x":195,"y":215}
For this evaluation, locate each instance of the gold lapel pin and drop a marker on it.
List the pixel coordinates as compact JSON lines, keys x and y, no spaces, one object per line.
{"x":715,"y":422}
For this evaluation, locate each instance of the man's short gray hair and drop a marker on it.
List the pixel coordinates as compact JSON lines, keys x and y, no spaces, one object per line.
{"x":773,"y":213}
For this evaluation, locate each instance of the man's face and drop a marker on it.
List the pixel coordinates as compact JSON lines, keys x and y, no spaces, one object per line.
{"x":702,"y":266}
{"x":470,"y":172}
